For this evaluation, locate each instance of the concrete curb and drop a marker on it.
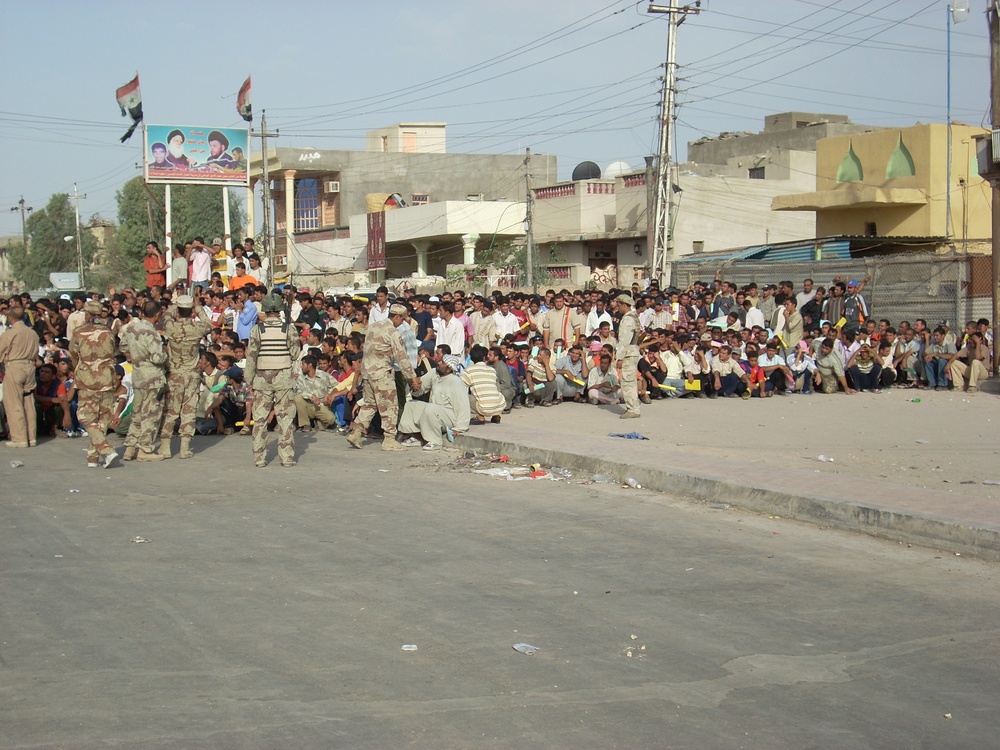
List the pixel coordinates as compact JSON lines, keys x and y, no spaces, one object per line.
{"x":929,"y":530}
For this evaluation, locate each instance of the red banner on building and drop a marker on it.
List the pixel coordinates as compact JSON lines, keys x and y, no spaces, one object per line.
{"x":376,"y":241}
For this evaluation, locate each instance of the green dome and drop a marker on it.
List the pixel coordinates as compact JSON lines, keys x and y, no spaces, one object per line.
{"x":850,"y":169}
{"x":900,"y":163}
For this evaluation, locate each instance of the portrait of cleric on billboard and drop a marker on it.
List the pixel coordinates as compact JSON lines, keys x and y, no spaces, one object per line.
{"x":184,"y":154}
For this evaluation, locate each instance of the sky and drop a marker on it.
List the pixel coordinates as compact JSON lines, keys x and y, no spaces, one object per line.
{"x":575,"y":79}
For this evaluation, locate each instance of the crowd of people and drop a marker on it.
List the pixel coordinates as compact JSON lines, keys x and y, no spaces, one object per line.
{"x":217,"y":352}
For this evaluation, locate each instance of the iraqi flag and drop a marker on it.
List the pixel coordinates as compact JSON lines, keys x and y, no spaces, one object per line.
{"x":130,"y":102}
{"x":243,"y":101}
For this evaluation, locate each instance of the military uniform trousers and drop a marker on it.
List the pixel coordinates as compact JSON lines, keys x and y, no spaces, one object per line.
{"x":19,"y":401}
{"x":95,"y":410}
{"x":380,"y":395}
{"x":272,"y":389}
{"x":630,"y":383}
{"x":181,"y":401}
{"x":147,"y":415}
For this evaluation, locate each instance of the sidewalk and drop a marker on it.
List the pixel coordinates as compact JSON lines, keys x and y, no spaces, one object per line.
{"x":905,"y":471}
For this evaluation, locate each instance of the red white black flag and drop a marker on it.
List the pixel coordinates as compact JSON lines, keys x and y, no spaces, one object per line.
{"x":130,"y":103}
{"x":243,"y":101}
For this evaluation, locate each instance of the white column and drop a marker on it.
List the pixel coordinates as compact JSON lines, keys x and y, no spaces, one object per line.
{"x":469,"y":248}
{"x":421,"y":246}
{"x":250,"y":210}
{"x":166,"y":223}
{"x":227,"y":229}
{"x":290,"y":221}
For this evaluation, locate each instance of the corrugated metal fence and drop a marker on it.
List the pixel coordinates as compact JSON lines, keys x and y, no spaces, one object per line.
{"x":902,"y":287}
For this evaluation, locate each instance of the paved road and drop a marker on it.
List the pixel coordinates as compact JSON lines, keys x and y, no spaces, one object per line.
{"x":269,"y":607}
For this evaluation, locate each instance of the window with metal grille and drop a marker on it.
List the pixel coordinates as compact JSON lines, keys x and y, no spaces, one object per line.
{"x":306,"y":204}
{"x":756,"y":173}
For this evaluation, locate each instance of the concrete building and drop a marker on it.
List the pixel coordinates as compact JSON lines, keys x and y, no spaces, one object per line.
{"x":893,"y":183}
{"x":7,"y":281}
{"x":421,"y":242}
{"x":316,"y":193}
{"x":596,"y":230}
{"x":785,"y":131}
{"x":409,"y":138}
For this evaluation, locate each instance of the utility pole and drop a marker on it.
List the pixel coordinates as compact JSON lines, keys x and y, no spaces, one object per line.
{"x":958,"y":11}
{"x":529,"y":234}
{"x":993,"y":19}
{"x":25,"y":210}
{"x":663,"y":252}
{"x":79,"y":244}
{"x":266,"y":195}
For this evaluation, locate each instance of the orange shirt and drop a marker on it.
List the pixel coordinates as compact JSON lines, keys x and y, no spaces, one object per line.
{"x":154,"y":277}
{"x":241,"y":281}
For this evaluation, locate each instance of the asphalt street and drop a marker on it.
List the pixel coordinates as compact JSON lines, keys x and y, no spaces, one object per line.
{"x":269,"y":607}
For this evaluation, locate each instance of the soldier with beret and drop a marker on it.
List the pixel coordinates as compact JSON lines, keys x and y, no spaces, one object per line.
{"x":627,"y":354}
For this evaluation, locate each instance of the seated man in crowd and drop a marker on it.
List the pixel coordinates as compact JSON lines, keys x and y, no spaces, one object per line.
{"x":234,"y":397}
{"x":209,"y":414}
{"x":865,"y":369}
{"x":906,"y":361}
{"x":829,"y":372}
{"x":314,"y":396}
{"x":801,"y":365}
{"x":602,"y":383}
{"x":652,"y":372}
{"x":779,"y":376}
{"x":540,"y":379}
{"x":969,"y":362}
{"x":571,"y":375}
{"x":936,"y":358}
{"x":674,"y":362}
{"x":49,"y":405}
{"x":447,"y":409}
{"x":505,"y":379}
{"x":729,"y":379}
{"x":485,"y":398}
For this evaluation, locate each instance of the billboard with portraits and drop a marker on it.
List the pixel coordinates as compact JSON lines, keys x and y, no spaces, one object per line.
{"x":196,"y":155}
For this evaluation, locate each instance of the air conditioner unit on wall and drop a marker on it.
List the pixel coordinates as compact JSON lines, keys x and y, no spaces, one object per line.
{"x":331,"y":186}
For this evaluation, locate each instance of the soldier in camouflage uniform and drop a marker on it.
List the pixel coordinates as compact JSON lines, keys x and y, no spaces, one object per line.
{"x":143,"y":346}
{"x":92,"y":349}
{"x":184,"y":327}
{"x":383,"y":346}
{"x":273,"y":346}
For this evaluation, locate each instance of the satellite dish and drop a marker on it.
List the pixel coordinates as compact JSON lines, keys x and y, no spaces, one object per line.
{"x":586,"y":170}
{"x":959,"y":10}
{"x":617,"y":169}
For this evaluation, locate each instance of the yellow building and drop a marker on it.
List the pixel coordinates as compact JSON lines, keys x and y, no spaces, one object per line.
{"x":893,"y":183}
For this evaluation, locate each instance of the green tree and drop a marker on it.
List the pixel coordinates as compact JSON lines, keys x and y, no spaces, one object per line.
{"x":48,"y":251}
